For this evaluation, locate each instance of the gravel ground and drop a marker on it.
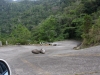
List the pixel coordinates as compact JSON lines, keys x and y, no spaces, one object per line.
{"x":58,"y":60}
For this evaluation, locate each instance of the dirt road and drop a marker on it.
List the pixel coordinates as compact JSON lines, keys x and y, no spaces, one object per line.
{"x":58,"y":60}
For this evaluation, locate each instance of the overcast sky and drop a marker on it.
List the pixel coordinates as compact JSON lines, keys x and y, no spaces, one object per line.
{"x":14,"y":0}
{"x":20,"y":0}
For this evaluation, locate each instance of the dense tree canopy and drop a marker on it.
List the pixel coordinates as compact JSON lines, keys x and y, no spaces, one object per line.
{"x":49,"y":20}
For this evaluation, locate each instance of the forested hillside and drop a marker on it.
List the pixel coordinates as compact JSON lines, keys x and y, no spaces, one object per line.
{"x":50,"y":20}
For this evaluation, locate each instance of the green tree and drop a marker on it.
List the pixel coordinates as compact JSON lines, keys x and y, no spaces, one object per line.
{"x":86,"y":29}
{"x":20,"y":35}
{"x":46,"y":30}
{"x":87,"y":24}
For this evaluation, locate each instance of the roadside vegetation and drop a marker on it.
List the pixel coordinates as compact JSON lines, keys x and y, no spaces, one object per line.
{"x":27,"y":22}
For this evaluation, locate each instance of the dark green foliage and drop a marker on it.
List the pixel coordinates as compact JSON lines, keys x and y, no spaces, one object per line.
{"x":86,"y":29}
{"x":20,"y":35}
{"x":91,"y":6}
{"x":78,"y":23}
{"x":48,"y":20}
{"x":49,"y":30}
{"x":30,"y":14}
{"x":93,"y":37}
{"x":87,"y":24}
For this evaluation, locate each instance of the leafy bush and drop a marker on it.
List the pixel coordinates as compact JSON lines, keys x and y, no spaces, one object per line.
{"x":20,"y":35}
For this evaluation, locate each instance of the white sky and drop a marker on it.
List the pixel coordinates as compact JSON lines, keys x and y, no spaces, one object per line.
{"x":14,"y":0}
